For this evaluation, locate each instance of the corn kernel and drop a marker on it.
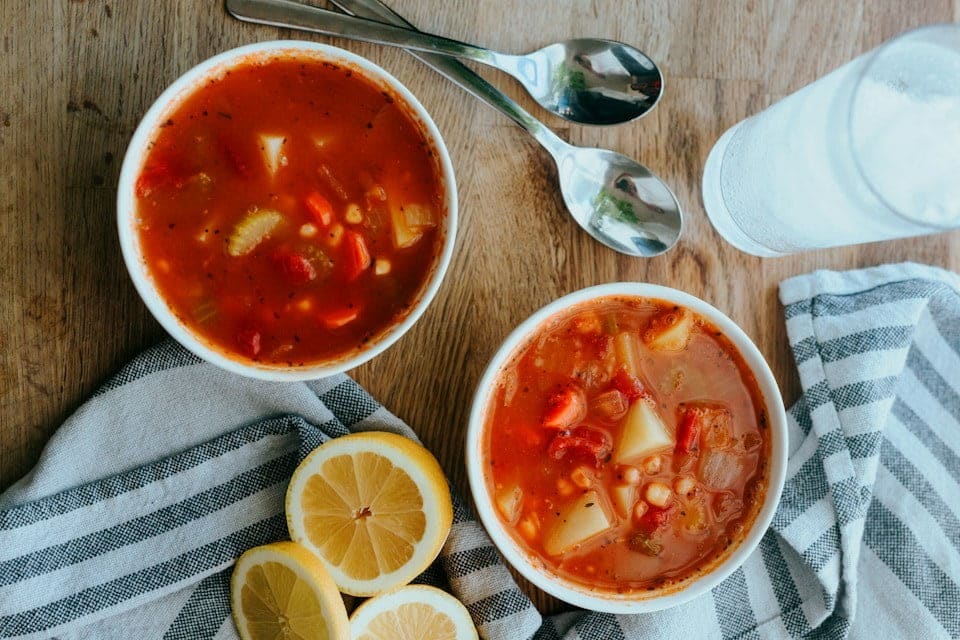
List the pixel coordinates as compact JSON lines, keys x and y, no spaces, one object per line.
{"x":353,"y":215}
{"x":308,"y":230}
{"x":335,"y":235}
{"x":381,"y":266}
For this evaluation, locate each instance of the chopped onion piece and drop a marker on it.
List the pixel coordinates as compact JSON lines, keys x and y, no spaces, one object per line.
{"x":272,"y":148}
{"x":623,"y":496}
{"x":419,"y":216}
{"x":509,"y":501}
{"x":720,"y":469}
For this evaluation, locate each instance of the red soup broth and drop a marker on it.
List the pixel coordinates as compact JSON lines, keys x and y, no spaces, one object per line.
{"x":626,"y":445}
{"x":289,"y":210}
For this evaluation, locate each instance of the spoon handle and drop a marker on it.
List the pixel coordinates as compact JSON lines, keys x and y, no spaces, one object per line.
{"x":286,"y":13}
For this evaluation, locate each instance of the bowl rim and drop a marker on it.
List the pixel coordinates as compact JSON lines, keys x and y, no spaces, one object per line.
{"x":135,"y":156}
{"x":571,"y":592}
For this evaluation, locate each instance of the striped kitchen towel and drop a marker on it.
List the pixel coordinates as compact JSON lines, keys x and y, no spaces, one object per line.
{"x":129,"y":524}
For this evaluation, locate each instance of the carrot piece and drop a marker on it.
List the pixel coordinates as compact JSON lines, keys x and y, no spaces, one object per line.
{"x":320,"y":208}
{"x":336,"y":318}
{"x":233,"y":150}
{"x":358,"y":258}
{"x":565,"y":408}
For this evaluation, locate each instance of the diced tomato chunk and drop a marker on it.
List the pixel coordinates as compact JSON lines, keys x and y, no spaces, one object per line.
{"x":231,"y":149}
{"x":654,"y":518}
{"x":336,"y":318}
{"x":565,"y":408}
{"x":584,"y":442}
{"x":160,"y":173}
{"x":628,"y":385}
{"x":249,"y":341}
{"x":151,"y":177}
{"x":358,"y":258}
{"x":688,"y":432}
{"x":320,"y":208}
{"x":296,"y":268}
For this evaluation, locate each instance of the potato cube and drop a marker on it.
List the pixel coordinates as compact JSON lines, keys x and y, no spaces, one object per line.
{"x":669,"y":331}
{"x":643,"y":433}
{"x":583,"y":519}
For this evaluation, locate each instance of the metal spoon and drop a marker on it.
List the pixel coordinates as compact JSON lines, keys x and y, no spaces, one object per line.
{"x":588,"y":80}
{"x":615,"y":199}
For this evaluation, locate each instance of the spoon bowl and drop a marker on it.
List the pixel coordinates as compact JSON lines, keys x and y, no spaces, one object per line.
{"x":618,"y":201}
{"x":588,"y":80}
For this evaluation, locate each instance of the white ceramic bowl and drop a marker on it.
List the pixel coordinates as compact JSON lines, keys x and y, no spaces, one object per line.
{"x":136,"y":154}
{"x":572,"y":592}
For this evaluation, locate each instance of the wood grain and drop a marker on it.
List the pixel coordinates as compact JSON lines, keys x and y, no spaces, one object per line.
{"x":75,"y":77}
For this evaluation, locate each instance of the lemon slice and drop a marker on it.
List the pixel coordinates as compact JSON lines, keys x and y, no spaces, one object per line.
{"x":281,"y":591}
{"x":374,"y":506}
{"x":417,"y":612}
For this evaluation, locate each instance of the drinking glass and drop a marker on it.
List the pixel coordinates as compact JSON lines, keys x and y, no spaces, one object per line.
{"x":869,"y":152}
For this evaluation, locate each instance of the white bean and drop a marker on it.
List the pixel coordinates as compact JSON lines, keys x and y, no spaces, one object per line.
{"x":630,"y":475}
{"x":651,"y":465}
{"x":657,"y":494}
{"x":684,"y":485}
{"x":639,"y":509}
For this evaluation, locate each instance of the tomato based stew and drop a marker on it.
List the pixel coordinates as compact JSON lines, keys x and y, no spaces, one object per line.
{"x":626,"y":445}
{"x":290,"y":210}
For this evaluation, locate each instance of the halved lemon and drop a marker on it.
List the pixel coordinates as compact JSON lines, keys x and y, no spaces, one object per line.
{"x":374,"y":506}
{"x":417,"y":612}
{"x":281,"y":591}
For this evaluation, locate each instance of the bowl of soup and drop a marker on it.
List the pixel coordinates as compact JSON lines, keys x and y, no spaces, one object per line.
{"x":626,"y":448}
{"x":287,"y":210}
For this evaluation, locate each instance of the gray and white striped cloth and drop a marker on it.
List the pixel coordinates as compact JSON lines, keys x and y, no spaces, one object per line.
{"x":129,"y":524}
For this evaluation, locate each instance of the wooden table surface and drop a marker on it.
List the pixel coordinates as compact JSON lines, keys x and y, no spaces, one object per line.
{"x":75,"y":78}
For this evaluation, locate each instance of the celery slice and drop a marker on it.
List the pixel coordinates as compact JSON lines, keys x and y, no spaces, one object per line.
{"x":252,"y":230}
